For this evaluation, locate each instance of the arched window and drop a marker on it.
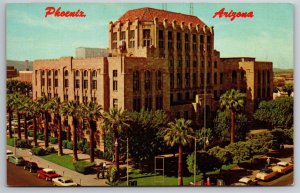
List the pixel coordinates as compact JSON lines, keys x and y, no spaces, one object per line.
{"x":49,"y":73}
{"x":66,"y":73}
{"x":55,"y":73}
{"x":43,"y":72}
{"x":158,"y":80}
{"x":77,"y":73}
{"x":234,"y":77}
{"x":136,"y":80}
{"x":85,"y":73}
{"x":147,"y":80}
{"x":94,"y":74}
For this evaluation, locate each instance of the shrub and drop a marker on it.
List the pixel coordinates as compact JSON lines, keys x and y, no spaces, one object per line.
{"x":38,"y":151}
{"x":111,"y":174}
{"x":98,"y":153}
{"x":40,"y":136}
{"x":69,"y":145}
{"x":50,"y":149}
{"x":11,"y":141}
{"x":80,"y":145}
{"x":53,"y":140}
{"x":107,"y":156}
{"x":23,"y":143}
{"x":86,"y":148}
{"x":30,"y":133}
{"x":65,"y":144}
{"x":123,"y":171}
{"x":83,"y":167}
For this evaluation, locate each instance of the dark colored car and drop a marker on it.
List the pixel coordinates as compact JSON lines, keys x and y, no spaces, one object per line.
{"x":31,"y":166}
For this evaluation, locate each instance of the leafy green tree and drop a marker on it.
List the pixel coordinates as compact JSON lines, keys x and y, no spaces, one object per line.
{"x":92,"y":111}
{"x":222,"y":126}
{"x":232,"y":100}
{"x":115,"y":120}
{"x":204,"y":162}
{"x":34,"y":111}
{"x":204,"y":134}
{"x":144,"y":130}
{"x":10,"y":110}
{"x":179,"y":133}
{"x":222,"y":154}
{"x":240,"y":151}
{"x":17,"y":100}
{"x":289,"y":88}
{"x":276,"y":113}
{"x":42,"y":102}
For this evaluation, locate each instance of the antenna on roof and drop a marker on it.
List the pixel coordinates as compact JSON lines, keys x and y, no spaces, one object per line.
{"x":191,"y":9}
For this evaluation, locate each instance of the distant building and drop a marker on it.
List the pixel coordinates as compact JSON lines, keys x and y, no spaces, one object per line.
{"x":25,"y":76}
{"x":11,"y":72}
{"x":82,"y":52}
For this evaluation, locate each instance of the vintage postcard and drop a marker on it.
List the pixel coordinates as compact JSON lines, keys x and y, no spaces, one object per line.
{"x":166,"y":94}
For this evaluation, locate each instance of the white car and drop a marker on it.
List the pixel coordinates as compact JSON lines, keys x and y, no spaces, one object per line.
{"x":63,"y":181}
{"x":245,"y":181}
{"x":9,"y":153}
{"x":283,"y":167}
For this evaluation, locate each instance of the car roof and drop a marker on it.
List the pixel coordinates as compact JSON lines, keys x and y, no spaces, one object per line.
{"x":245,"y":180}
{"x":65,"y":178}
{"x":48,"y":170}
{"x":282,"y":163}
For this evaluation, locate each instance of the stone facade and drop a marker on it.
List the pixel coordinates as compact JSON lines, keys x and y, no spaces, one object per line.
{"x":159,"y":60}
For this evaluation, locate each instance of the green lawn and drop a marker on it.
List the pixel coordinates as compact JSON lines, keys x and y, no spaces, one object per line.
{"x":64,"y":160}
{"x":149,"y":179}
{"x":10,"y":141}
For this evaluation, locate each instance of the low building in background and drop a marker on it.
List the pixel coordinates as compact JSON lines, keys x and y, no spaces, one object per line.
{"x":11,"y":72}
{"x":83,"y":52}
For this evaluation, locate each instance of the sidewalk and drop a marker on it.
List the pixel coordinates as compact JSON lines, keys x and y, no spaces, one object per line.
{"x":83,"y":180}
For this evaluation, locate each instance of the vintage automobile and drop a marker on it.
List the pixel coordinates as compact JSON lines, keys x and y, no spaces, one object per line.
{"x":245,"y":181}
{"x":8,"y":153}
{"x":63,"y":181}
{"x":283,"y":167}
{"x":266,"y":174}
{"x":31,"y":166}
{"x":47,"y":174}
{"x":16,"y":159}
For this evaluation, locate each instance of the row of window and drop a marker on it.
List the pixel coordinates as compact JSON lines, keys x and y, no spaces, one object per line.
{"x":147,"y":103}
{"x":66,"y":73}
{"x":187,"y":63}
{"x":147,"y":80}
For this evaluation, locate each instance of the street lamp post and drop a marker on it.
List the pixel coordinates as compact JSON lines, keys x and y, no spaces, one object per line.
{"x":206,"y":142}
{"x":15,"y":149}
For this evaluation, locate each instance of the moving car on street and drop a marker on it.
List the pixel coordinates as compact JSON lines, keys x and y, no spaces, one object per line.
{"x":245,"y":181}
{"x":16,"y":159}
{"x":31,"y":166}
{"x":283,"y":167}
{"x":47,"y":174}
{"x":8,"y":153}
{"x":63,"y":181}
{"x":266,"y":174}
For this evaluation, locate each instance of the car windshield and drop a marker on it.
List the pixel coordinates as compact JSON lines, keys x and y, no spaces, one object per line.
{"x":69,"y":181}
{"x":51,"y":172}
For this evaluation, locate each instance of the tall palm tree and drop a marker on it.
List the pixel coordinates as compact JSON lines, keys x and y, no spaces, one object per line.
{"x":17,"y":102}
{"x":232,"y":100}
{"x":25,"y":112}
{"x":10,"y":110}
{"x":73,"y":109}
{"x":34,"y":111}
{"x":54,"y":106}
{"x":179,"y":133}
{"x":115,"y":120}
{"x":92,"y":111}
{"x":42,"y":102}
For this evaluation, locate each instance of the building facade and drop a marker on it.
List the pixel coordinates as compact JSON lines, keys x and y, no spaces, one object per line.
{"x":158,"y":60}
{"x":83,"y":52}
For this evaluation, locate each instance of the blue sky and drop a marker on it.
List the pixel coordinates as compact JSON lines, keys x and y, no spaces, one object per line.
{"x":29,"y":35}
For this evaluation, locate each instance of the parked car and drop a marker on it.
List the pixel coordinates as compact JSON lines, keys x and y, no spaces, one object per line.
{"x":47,"y":174}
{"x":63,"y":181}
{"x":31,"y":166}
{"x":266,"y":174}
{"x":8,"y":153}
{"x":16,"y":159}
{"x":245,"y":181}
{"x":283,"y":167}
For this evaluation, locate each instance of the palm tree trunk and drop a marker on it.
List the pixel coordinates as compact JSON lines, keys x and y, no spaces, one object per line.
{"x":60,"y":149}
{"x":35,"y":131}
{"x":9,"y":124}
{"x":74,"y":135}
{"x":180,"y":181}
{"x":25,"y":127}
{"x":92,"y":129}
{"x":19,"y":126}
{"x":232,"y":127}
{"x":46,"y":131}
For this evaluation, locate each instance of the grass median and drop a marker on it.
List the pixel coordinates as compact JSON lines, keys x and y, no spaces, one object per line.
{"x":64,"y":160}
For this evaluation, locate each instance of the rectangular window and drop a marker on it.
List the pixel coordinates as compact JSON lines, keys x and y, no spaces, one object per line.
{"x":49,"y":82}
{"x":178,"y":40}
{"x":208,"y":39}
{"x":221,"y":78}
{"x":186,"y":115}
{"x":159,"y":101}
{"x":123,"y":36}
{"x":115,"y":103}
{"x":194,"y":80}
{"x":146,"y":37}
{"x":195,"y":63}
{"x":194,"y":42}
{"x":148,"y":103}
{"x":171,"y":99}
{"x":43,"y":82}
{"x":179,"y":80}
{"x":179,"y":97}
{"x":188,"y":63}
{"x":49,"y":95}
{"x":208,"y":78}
{"x":115,"y":85}
{"x":202,"y":78}
{"x":215,"y":94}
{"x":115,"y":73}
{"x":187,"y":96}
{"x":187,"y":80}
{"x":215,"y":78}
{"x":131,"y":39}
{"x":114,"y":40}
{"x":201,"y":39}
{"x":215,"y":64}
{"x":186,"y":41}
{"x":170,"y":39}
{"x":66,"y":83}
{"x":77,"y":83}
{"x":172,"y":81}
{"x":177,"y":115}
{"x":94,"y":84}
{"x":161,"y":39}
{"x":56,"y":82}
{"x":85,"y":84}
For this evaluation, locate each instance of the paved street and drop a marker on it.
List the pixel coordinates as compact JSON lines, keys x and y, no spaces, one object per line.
{"x":84,"y":180}
{"x":285,"y":180}
{"x":17,"y":176}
